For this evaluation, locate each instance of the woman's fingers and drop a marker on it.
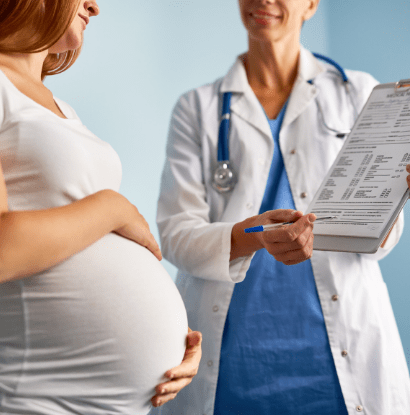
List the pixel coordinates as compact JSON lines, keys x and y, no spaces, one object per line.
{"x":172,"y":386}
{"x":160,"y":400}
{"x":153,"y":246}
{"x":190,"y":363}
{"x":181,"y":375}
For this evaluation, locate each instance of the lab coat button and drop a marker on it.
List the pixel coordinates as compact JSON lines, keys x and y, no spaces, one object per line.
{"x":249,"y":205}
{"x":293,"y":151}
{"x":210,"y":363}
{"x":359,"y":408}
{"x":303,"y":195}
{"x":344,"y":353}
{"x":215,"y":308}
{"x":335,"y":297}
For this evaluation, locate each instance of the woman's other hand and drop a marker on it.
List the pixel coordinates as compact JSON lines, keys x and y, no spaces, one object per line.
{"x":136,"y":228}
{"x":181,"y":375}
{"x":290,"y":244}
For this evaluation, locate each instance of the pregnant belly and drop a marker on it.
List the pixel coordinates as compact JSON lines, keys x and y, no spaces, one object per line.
{"x":102,"y":327}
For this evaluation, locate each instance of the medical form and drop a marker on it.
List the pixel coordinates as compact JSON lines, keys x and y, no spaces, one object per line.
{"x":366,"y":185}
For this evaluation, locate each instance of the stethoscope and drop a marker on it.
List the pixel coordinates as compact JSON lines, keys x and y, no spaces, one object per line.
{"x":225,"y":178}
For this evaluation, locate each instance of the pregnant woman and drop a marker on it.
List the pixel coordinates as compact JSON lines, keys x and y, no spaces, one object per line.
{"x":89,"y":319}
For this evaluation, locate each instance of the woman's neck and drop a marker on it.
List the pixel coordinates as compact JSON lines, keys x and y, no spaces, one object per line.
{"x":26,"y":65}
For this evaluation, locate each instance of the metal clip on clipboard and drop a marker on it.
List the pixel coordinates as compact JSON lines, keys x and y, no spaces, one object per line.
{"x":404,"y":83}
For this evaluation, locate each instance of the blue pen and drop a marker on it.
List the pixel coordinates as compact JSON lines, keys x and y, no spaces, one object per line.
{"x":264,"y":228}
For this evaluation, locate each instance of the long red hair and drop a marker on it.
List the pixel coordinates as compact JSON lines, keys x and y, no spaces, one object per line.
{"x":30,"y":26}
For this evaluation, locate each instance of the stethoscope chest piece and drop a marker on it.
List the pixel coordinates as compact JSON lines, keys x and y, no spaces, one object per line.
{"x":225,"y":178}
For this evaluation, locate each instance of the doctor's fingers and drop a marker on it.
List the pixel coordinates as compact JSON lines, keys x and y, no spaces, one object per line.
{"x":408,"y":177}
{"x":290,"y":233}
{"x":299,"y":243}
{"x":280,"y":215}
{"x":296,"y":256}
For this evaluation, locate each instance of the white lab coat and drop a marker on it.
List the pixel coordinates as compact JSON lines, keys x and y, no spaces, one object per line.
{"x":195,"y":225}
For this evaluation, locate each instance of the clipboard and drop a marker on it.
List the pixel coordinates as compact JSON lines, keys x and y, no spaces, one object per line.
{"x":361,"y":244}
{"x":358,"y":245}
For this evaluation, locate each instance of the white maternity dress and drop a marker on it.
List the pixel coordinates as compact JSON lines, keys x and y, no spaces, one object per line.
{"x":95,"y":334}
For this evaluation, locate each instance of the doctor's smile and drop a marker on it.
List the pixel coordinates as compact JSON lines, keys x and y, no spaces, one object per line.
{"x":264,"y":18}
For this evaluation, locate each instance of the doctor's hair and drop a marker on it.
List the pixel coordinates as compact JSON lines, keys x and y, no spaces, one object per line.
{"x":31,"y":26}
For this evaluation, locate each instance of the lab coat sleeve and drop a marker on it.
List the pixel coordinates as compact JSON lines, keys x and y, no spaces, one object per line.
{"x":392,"y":241}
{"x":188,"y":239}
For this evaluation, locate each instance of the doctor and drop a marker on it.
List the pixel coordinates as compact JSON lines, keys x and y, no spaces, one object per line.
{"x":316,"y":337}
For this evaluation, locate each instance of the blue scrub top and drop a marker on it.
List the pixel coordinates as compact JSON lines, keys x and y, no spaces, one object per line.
{"x":275,"y":356}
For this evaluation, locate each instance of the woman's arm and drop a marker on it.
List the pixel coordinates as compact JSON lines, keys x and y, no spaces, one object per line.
{"x":32,"y":241}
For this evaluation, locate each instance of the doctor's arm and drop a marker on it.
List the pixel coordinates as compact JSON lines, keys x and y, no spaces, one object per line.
{"x":289,"y":244}
{"x":189,"y":239}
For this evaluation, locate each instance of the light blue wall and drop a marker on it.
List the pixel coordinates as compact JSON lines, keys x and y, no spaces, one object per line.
{"x":374,"y":36}
{"x":136,"y":61}
{"x":139,"y":57}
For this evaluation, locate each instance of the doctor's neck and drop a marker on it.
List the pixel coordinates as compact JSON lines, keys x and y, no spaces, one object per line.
{"x":272,"y":65}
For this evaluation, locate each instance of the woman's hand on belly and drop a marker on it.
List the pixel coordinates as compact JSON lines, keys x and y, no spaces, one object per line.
{"x":181,"y":375}
{"x":137,"y":229}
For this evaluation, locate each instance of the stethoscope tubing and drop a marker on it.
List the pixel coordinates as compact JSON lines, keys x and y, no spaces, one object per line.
{"x":223,"y":169}
{"x":223,"y":150}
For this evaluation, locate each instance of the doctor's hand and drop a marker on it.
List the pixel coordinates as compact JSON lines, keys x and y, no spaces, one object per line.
{"x":408,"y":177}
{"x":290,"y":244}
{"x":181,"y":375}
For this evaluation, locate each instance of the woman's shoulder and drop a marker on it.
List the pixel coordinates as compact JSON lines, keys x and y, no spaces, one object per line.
{"x":67,"y":110}
{"x":7,"y":97}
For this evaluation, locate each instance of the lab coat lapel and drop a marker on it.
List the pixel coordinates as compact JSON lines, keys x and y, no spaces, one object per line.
{"x":246,"y":105}
{"x":244,"y":102}
{"x":303,"y":92}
